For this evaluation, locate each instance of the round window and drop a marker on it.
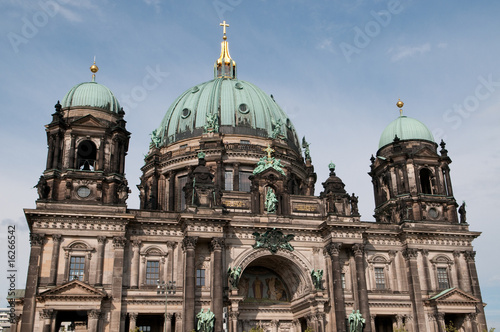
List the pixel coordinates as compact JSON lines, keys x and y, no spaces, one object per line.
{"x":433,"y":213}
{"x":243,"y":108}
{"x":83,"y":192}
{"x":185,"y":113}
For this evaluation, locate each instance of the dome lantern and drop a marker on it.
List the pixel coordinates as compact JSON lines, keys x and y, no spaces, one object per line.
{"x":224,"y":67}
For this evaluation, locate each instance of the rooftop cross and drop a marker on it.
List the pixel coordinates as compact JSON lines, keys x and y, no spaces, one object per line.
{"x":224,"y":25}
{"x":269,"y":150}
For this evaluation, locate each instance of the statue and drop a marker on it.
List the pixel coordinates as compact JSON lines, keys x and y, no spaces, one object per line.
{"x":155,"y":139}
{"x":205,"y":321}
{"x":42,"y":188}
{"x":463,"y":213}
{"x":234,"y":276}
{"x":305,"y":146}
{"x":354,"y":205}
{"x":356,"y":321}
{"x":276,"y":128}
{"x":212,"y":125}
{"x":317,"y":277}
{"x":271,"y":201}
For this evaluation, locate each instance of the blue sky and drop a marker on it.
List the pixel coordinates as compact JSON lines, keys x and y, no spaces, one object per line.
{"x":336,"y":67}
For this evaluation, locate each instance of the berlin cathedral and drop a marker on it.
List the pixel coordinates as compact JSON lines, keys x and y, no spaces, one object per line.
{"x":230,"y":235}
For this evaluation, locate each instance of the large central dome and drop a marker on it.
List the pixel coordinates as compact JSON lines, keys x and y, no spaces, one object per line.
{"x":241,"y":107}
{"x":234,"y":106}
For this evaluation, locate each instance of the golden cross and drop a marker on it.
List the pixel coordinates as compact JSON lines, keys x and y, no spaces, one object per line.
{"x":224,"y":25}
{"x":269,"y":150}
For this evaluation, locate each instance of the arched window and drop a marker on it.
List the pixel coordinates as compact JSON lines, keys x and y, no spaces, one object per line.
{"x":86,"y":156}
{"x":426,"y":181}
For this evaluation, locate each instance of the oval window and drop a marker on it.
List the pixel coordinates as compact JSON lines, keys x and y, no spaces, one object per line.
{"x":185,"y":113}
{"x":243,"y":108}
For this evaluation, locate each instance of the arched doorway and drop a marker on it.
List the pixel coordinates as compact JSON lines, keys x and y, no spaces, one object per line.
{"x":275,"y":292}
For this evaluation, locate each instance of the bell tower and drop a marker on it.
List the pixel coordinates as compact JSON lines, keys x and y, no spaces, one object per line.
{"x":411,"y":180}
{"x":87,"y":144}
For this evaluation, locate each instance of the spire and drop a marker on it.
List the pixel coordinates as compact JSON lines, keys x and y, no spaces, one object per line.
{"x":224,"y":67}
{"x":94,"y":70}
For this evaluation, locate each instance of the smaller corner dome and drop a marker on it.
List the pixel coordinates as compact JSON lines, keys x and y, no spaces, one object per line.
{"x":406,"y":129}
{"x":91,"y":94}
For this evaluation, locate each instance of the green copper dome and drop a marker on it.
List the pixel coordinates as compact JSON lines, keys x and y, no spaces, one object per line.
{"x":91,"y":94}
{"x":239,"y":107}
{"x":406,"y":129}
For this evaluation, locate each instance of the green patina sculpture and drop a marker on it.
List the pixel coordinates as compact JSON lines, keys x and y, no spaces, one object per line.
{"x":212,"y":124}
{"x":277,"y":133}
{"x":273,"y":240}
{"x":268,"y":162}
{"x":305,"y":146}
{"x":356,"y":321}
{"x":205,"y":321}
{"x":234,"y":276}
{"x":155,"y":139}
{"x":317,"y":278}
{"x":271,"y":201}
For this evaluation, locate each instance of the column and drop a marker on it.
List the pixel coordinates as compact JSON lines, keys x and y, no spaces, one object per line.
{"x":440,"y":322}
{"x":371,"y":321}
{"x":134,"y":268}
{"x":358,"y":250}
{"x":333,"y":250}
{"x":15,"y":323}
{"x":473,"y":322}
{"x":425,"y":259}
{"x":170,"y":264}
{"x":217,"y":301}
{"x":178,"y":322}
{"x":189,"y":245}
{"x":321,"y":321}
{"x":32,"y":282}
{"x":414,"y":289}
{"x":50,"y":152}
{"x":171,"y":191}
{"x":57,"y":149}
{"x":56,"y":244}
{"x":123,"y":319}
{"x":46,"y":316}
{"x":117,"y":283}
{"x":236,"y":177}
{"x":87,"y":267}
{"x":101,"y":241}
{"x":100,"y":155}
{"x":132,"y":320}
{"x":458,"y":269}
{"x":274,"y":325}
{"x":471,"y":265}
{"x":233,"y":315}
{"x":168,"y":322}
{"x":296,"y":325}
{"x":394,"y":273}
{"x":93,"y":320}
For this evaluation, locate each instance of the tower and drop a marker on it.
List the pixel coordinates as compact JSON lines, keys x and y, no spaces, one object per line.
{"x":87,"y":144}
{"x":411,"y":180}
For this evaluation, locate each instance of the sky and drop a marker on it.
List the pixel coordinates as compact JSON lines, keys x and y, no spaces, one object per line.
{"x":337,"y":68}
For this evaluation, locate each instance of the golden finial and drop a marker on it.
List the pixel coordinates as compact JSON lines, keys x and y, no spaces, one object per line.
{"x":400,"y":104}
{"x":224,"y":25}
{"x":94,"y":70}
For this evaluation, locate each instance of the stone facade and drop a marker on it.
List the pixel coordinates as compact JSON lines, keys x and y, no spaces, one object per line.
{"x":207,"y":235}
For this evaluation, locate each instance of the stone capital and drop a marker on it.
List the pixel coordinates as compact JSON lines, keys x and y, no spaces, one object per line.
{"x":136,"y":244}
{"x":37,"y":239}
{"x":46,"y":314}
{"x":119,"y":242}
{"x":56,"y":238}
{"x":101,"y":239}
{"x":358,"y":249}
{"x":189,"y":242}
{"x":470,"y":256}
{"x":94,"y":314}
{"x":333,"y":248}
{"x":171,"y":244}
{"x":133,"y":315}
{"x":217,"y":243}
{"x":410,"y":253}
{"x":456,"y":253}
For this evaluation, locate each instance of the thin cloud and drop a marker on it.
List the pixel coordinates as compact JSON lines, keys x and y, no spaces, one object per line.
{"x":327,"y":45}
{"x":408,"y":51}
{"x":154,"y":3}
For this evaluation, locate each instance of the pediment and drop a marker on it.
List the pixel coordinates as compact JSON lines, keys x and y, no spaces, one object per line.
{"x":453,"y":295}
{"x":73,"y":289}
{"x":425,"y":152}
{"x":88,"y":121}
